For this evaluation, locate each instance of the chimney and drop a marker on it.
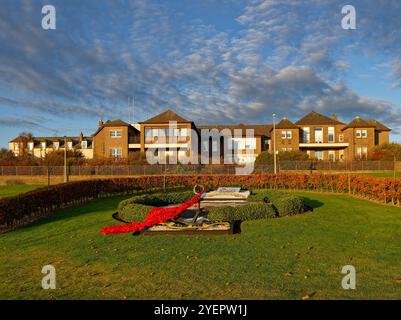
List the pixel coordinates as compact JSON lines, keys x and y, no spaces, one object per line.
{"x":81,"y":137}
{"x":100,"y":123}
{"x":335,"y":116}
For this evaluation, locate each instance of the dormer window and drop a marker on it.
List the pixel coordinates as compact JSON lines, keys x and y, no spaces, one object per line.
{"x":56,"y":145}
{"x":84,"y":144}
{"x":43,"y":145}
{"x":69,"y":144}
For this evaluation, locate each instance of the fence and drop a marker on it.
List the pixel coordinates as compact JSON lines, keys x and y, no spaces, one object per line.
{"x":141,"y":170}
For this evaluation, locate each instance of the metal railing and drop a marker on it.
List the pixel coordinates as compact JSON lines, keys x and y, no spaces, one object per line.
{"x":140,"y":170}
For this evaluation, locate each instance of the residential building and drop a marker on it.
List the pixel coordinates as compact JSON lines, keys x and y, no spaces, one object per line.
{"x":40,"y":146}
{"x":321,"y":137}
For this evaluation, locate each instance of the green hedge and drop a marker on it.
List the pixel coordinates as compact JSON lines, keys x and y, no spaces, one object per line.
{"x":136,"y":208}
{"x":285,"y":203}
{"x":253,"y":211}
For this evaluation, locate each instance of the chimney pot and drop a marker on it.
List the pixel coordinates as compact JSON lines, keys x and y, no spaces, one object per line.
{"x":100,"y":123}
{"x":335,"y":116}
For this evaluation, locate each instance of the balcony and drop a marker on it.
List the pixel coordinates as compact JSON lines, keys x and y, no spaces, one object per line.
{"x":322,"y":144}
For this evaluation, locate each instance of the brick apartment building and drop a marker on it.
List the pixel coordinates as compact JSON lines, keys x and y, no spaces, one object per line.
{"x":321,"y":137}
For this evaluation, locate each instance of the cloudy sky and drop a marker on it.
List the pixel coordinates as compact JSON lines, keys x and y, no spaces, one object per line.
{"x":225,"y":61}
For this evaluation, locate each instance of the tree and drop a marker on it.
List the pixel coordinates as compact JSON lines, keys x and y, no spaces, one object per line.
{"x":56,"y":158}
{"x":6,"y":157}
{"x":24,"y":139}
{"x":386,"y":152}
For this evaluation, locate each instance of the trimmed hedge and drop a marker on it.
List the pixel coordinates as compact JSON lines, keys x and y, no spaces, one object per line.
{"x":285,"y":203}
{"x":244,"y":212}
{"x":136,"y":208}
{"x":28,"y":207}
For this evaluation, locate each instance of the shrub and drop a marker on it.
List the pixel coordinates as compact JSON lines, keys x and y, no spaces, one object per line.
{"x":136,"y":208}
{"x":253,"y":211}
{"x":285,"y":204}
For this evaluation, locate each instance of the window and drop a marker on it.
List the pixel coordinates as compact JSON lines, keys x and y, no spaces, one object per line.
{"x":30,"y":146}
{"x":250,"y":143}
{"x":306,"y":135}
{"x":332,"y":155}
{"x":358,"y":134}
{"x":43,"y":145}
{"x":16,"y":146}
{"x":341,"y":138}
{"x":289,"y":134}
{"x":184,"y":132}
{"x":84,"y":144}
{"x":331,"y":134}
{"x":364,"y":133}
{"x":116,"y":152}
{"x":341,"y":155}
{"x":56,"y":145}
{"x":319,"y":155}
{"x":283,"y":134}
{"x":115,"y":133}
{"x":69,"y":144}
{"x":318,"y":135}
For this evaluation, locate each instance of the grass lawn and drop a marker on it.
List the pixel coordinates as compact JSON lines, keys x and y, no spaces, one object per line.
{"x":12,"y":190}
{"x":382,"y":174}
{"x":284,"y":258}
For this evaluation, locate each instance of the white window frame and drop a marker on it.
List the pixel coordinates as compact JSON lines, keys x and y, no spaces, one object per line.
{"x":332,"y":153}
{"x":364,"y":134}
{"x":84,"y":144}
{"x":321,"y":135}
{"x":283,"y":134}
{"x":30,"y":146}
{"x":358,"y":134}
{"x":289,"y":134}
{"x":56,"y":145}
{"x":69,"y":144}
{"x":116,"y":152}
{"x":319,"y":152}
{"x":43,"y":145}
{"x":306,"y":134}
{"x":331,"y":132}
{"x":116,"y":133}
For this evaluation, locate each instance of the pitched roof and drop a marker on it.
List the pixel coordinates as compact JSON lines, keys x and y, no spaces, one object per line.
{"x":50,"y":141}
{"x":360,"y":123}
{"x":165,"y":117}
{"x":286,"y":124}
{"x":112,"y":123}
{"x":379,"y":126}
{"x":314,"y":118}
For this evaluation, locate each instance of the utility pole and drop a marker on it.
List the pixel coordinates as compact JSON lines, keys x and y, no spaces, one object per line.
{"x":65,"y":159}
{"x":274,"y":143}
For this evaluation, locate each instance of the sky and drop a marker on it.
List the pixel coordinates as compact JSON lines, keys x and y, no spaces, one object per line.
{"x":213,"y":62}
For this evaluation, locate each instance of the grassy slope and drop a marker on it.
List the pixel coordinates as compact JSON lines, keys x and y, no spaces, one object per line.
{"x":340,"y":231}
{"x":12,"y":190}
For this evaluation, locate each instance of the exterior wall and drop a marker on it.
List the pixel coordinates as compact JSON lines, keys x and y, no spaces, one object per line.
{"x":355,"y":143}
{"x":384,"y":137}
{"x":103,"y":142}
{"x":285,"y":144}
{"x":180,"y":141}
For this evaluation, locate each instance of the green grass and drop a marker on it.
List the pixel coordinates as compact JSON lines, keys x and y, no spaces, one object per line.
{"x":12,"y":190}
{"x":381,"y":174}
{"x":252,"y":265}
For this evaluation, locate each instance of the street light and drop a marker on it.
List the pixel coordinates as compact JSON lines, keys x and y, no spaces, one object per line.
{"x":65,"y":159}
{"x":274,"y":143}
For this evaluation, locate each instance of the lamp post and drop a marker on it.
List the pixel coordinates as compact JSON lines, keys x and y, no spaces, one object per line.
{"x":65,"y":159}
{"x":274,"y":143}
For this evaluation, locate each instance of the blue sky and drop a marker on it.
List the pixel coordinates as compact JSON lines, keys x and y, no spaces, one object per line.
{"x":215,"y":62}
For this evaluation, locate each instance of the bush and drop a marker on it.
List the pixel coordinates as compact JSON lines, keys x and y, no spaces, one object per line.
{"x":285,"y":204}
{"x":243,"y":213}
{"x":136,"y":208}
